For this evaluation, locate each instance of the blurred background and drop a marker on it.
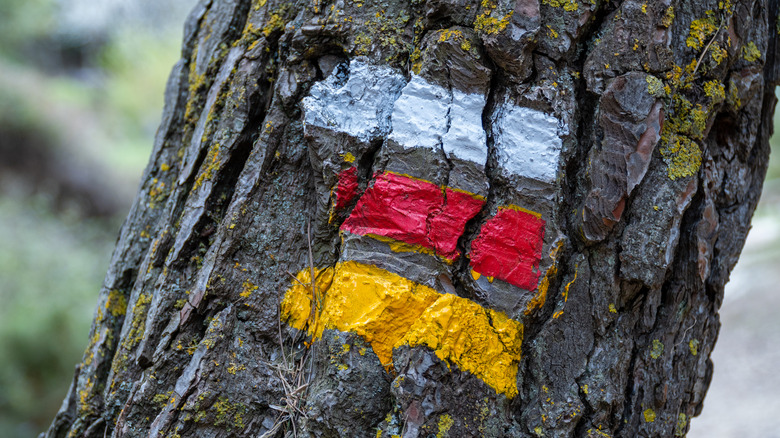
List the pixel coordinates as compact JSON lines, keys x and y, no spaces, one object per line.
{"x":81,"y":93}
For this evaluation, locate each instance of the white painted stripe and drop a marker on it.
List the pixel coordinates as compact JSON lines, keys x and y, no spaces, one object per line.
{"x":428,"y":115}
{"x":420,"y":115}
{"x":360,"y":106}
{"x":466,"y":137}
{"x":373,"y":99}
{"x":528,"y":143}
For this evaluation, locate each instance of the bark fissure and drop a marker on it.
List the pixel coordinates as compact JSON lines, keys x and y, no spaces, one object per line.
{"x":472,"y":227}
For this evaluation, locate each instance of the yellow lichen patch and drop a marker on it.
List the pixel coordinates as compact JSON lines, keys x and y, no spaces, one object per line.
{"x":457,"y":36}
{"x":551,"y":32}
{"x":230,"y":414}
{"x":385,"y":31}
{"x":85,"y":395}
{"x":684,"y":126}
{"x":668,"y":17}
{"x":726,"y":6}
{"x":416,"y":60}
{"x":698,"y":119}
{"x":683,"y":157}
{"x":715,"y":90}
{"x":733,"y":96}
{"x":487,"y":23}
{"x":274,"y":23}
{"x":655,"y":87}
{"x":116,"y":303}
{"x":389,"y":311}
{"x":162,"y":399}
{"x":693,"y":345}
{"x":348,"y":157}
{"x":750,"y":52}
{"x":682,"y":423}
{"x":612,"y":308}
{"x":567,"y":5}
{"x":701,"y":30}
{"x":718,"y":53}
{"x":649,"y":415}
{"x":138,"y":326}
{"x":445,"y":423}
{"x":210,"y":165}
{"x":250,"y":36}
{"x":598,"y":433}
{"x":657,"y":350}
{"x":233,"y":368}
{"x":157,"y":193}
{"x":247,"y":288}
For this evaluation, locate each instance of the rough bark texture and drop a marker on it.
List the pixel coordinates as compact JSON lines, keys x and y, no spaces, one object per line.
{"x":620,"y":145}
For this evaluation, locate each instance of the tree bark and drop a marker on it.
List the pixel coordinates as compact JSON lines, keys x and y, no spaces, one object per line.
{"x":443,"y":218}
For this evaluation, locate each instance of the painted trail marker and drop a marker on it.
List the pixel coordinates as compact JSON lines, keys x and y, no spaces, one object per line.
{"x":359,"y":105}
{"x":431,"y":116}
{"x":527,"y":143}
{"x":347,"y":187}
{"x":509,"y":247}
{"x":414,"y":212}
{"x":373,"y":103}
{"x":424,"y":217}
{"x":389,"y":311}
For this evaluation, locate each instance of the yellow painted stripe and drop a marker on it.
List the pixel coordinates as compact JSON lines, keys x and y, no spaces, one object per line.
{"x":518,"y":208}
{"x":540,"y":297}
{"x":399,"y":246}
{"x":389,"y":311}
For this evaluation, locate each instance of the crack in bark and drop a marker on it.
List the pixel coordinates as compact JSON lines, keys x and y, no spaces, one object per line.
{"x":472,"y":227}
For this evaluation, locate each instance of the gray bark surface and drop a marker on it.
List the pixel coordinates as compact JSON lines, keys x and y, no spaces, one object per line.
{"x":664,"y":111}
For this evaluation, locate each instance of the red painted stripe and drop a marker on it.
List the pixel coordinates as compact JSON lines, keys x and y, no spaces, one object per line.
{"x":415,"y":212}
{"x":509,"y":247}
{"x":347,"y":187}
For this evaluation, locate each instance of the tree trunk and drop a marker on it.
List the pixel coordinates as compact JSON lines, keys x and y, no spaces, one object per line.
{"x":518,"y":217}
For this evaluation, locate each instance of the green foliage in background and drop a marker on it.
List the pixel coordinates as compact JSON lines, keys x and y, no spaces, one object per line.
{"x":103,"y":115}
{"x":51,"y":268}
{"x":136,"y":67}
{"x":23,"y":23}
